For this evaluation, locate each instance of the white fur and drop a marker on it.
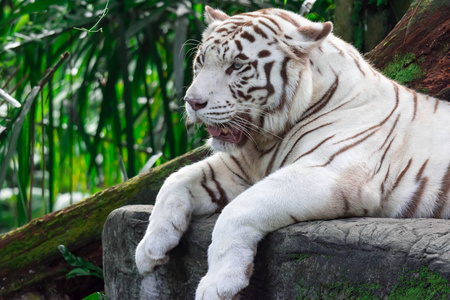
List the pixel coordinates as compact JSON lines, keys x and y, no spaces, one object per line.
{"x":289,"y":182}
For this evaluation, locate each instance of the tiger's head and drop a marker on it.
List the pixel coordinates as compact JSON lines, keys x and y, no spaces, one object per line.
{"x":252,"y":77}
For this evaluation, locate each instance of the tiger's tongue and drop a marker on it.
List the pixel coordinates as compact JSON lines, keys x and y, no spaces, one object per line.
{"x":232,"y":136}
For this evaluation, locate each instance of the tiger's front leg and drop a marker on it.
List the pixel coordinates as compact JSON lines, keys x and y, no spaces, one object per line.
{"x":201,"y":188}
{"x":288,"y":196}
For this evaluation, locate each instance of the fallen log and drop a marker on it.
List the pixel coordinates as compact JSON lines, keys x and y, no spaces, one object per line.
{"x":30,"y":261}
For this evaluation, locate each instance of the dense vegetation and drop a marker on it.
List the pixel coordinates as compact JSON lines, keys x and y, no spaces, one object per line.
{"x":110,"y":78}
{"x":114,"y":93}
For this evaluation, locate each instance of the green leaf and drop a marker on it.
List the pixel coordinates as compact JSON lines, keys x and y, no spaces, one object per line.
{"x":86,"y":267}
{"x":122,"y":168}
{"x":96,"y":296}
{"x":22,"y":21}
{"x":16,"y":131}
{"x":82,"y":272}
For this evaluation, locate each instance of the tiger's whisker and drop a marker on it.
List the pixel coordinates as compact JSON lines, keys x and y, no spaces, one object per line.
{"x":257,"y":128}
{"x":245,"y":132}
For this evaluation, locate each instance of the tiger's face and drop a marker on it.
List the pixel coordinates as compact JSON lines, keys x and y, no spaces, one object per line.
{"x":246,"y":75}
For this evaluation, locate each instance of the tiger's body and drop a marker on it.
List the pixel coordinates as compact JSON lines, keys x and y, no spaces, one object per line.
{"x":304,"y":128}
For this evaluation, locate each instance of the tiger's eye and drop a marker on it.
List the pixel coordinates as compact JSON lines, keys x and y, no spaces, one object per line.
{"x":237,"y":65}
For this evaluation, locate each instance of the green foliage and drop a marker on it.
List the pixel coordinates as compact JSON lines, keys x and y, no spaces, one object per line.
{"x":119,"y":94}
{"x":85,"y":267}
{"x":96,"y":296}
{"x":322,"y":10}
{"x":403,"y":68}
{"x":93,"y":28}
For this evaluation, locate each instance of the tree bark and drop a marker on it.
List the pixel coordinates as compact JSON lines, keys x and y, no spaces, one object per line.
{"x":416,"y":53}
{"x":30,"y":262}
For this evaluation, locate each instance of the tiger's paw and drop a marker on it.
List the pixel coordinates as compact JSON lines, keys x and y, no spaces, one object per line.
{"x":153,"y":250}
{"x":220,"y":287}
{"x":147,"y":261}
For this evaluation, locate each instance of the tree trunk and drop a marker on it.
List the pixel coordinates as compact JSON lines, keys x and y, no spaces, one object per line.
{"x":30,"y":262}
{"x":415,"y":53}
{"x":342,"y":19}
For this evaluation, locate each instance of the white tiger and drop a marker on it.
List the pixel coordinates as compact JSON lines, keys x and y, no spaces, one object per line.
{"x":303,"y":129}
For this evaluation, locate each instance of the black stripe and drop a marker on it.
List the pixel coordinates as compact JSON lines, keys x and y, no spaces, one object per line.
{"x":390,"y":132}
{"x":397,"y":182}
{"x":323,"y":101}
{"x":260,"y":32}
{"x":298,"y":140}
{"x":268,"y":26}
{"x":346,"y":148}
{"x":377,"y":126}
{"x":238,"y":45}
{"x":442,"y":197}
{"x":241,"y":169}
{"x":248,"y":36}
{"x":314,"y":148}
{"x":270,"y":165}
{"x":383,"y":156}
{"x":413,"y":205}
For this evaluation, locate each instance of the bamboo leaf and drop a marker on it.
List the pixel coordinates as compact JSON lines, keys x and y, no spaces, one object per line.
{"x":16,"y":131}
{"x":8,"y":98}
{"x":22,"y":21}
{"x":162,"y":85}
{"x":144,"y":23}
{"x":122,"y":168}
{"x":150,"y":162}
{"x":127,"y":97}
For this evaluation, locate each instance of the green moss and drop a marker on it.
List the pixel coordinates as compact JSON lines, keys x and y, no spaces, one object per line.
{"x":421,"y":284}
{"x":300,"y":257}
{"x":403,"y":68}
{"x":416,"y":284}
{"x":423,"y":90}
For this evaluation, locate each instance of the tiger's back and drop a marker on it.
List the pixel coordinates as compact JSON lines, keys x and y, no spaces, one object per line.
{"x":400,"y":168}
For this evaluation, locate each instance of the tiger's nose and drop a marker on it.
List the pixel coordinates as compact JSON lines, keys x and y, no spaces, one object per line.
{"x":196,"y":104}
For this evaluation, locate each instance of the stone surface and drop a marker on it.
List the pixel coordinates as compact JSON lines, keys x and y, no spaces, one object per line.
{"x":337,"y":259}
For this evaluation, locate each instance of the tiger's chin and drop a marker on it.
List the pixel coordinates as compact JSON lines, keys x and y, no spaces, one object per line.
{"x":221,"y":146}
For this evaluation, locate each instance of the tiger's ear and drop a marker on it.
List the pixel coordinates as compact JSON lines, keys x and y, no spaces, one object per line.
{"x":315,"y":33}
{"x":212,"y":15}
{"x":309,"y":36}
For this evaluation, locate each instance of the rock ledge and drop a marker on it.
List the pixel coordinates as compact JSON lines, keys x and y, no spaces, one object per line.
{"x":338,"y":259}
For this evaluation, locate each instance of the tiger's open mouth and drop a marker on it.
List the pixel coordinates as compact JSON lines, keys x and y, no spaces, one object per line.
{"x":231,"y":135}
